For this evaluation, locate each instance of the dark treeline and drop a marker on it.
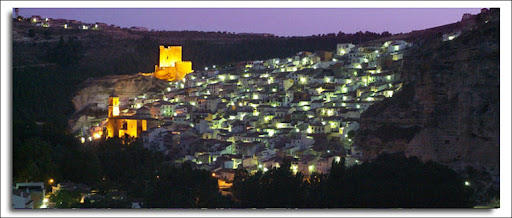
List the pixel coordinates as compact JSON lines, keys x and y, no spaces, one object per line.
{"x":129,"y":56}
{"x":42,"y":152}
{"x":391,"y":181}
{"x":204,"y":53}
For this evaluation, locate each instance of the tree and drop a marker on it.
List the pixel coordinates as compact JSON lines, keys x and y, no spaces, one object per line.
{"x":391,"y":181}
{"x":281,"y":189}
{"x":277,"y":188}
{"x":386,"y":34}
{"x":33,"y":160}
{"x":66,"y":199}
{"x":394,"y":181}
{"x":184,"y":187}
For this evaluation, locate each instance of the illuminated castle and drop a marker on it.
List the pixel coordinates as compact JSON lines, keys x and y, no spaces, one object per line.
{"x":171,"y":68}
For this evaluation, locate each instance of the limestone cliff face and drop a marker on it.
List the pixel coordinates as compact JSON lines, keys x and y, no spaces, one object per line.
{"x":95,"y":92}
{"x":92,"y":99}
{"x":448,"y":109}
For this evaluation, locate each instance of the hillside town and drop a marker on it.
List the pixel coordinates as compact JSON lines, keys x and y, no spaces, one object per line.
{"x":303,"y":111}
{"x":254,"y":115}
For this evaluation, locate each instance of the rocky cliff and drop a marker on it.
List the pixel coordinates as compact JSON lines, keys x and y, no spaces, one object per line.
{"x":448,"y":108}
{"x":92,"y":98}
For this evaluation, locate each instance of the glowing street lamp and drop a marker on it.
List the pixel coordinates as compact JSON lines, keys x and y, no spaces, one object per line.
{"x":96,"y":135}
{"x":311,"y":168}
{"x":50,"y":181}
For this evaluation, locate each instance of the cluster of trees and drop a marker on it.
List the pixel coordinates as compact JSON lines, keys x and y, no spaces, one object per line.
{"x":44,"y":152}
{"x":391,"y":181}
{"x":43,"y":92}
{"x":205,"y":53}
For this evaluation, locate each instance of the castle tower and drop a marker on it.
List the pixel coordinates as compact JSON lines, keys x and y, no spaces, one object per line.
{"x":170,"y":66}
{"x":169,"y":56}
{"x":113,"y":106}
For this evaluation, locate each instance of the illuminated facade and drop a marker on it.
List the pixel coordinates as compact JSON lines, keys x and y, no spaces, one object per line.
{"x":171,"y":67}
{"x":119,"y":126}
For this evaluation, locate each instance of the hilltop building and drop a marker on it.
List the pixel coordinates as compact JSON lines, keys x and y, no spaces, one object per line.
{"x":171,"y":67}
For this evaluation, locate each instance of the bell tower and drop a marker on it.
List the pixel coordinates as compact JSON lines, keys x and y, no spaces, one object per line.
{"x":113,"y":106}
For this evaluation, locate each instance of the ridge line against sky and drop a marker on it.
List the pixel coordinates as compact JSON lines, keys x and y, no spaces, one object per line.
{"x":277,"y":21}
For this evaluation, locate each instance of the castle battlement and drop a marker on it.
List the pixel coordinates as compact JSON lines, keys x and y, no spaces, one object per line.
{"x":170,"y":66}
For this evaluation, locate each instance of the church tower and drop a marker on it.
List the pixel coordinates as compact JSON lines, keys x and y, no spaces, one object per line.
{"x":113,"y":106}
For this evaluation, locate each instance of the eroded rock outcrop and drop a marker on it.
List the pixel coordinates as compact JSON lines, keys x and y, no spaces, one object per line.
{"x":448,"y":108}
{"x":92,"y":99}
{"x":96,"y":91}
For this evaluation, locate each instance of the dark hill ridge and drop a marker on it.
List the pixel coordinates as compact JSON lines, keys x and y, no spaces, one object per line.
{"x":449,"y":105}
{"x":114,"y":45}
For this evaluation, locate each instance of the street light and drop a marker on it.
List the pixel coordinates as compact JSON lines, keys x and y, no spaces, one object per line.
{"x":96,"y":135}
{"x":50,"y":181}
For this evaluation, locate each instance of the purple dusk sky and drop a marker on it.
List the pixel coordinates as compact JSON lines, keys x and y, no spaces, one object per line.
{"x":279,"y":21}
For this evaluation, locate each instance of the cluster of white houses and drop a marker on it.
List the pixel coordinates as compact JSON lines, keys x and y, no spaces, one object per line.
{"x":258,"y":114}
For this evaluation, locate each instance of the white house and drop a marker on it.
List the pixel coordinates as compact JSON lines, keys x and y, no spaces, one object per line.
{"x":397,"y":45}
{"x":344,"y":48}
{"x":36,"y":191}
{"x":451,"y":36}
{"x":154,"y":138}
{"x":21,"y":200}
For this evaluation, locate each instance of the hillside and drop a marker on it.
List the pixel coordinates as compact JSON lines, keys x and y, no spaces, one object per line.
{"x":49,"y":64}
{"x":448,"y":109}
